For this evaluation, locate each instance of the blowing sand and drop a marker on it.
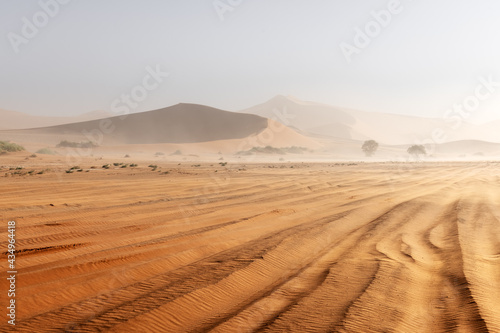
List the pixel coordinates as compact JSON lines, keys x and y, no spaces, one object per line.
{"x":261,"y":247}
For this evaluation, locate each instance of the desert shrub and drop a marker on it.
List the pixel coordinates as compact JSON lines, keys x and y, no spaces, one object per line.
{"x":106,"y":166}
{"x":10,"y":147}
{"x":159,"y":153}
{"x":71,"y":144}
{"x":177,"y":152}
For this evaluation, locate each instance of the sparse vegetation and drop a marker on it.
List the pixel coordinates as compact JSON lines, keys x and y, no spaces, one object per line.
{"x":159,"y":153}
{"x":177,"y":152}
{"x":133,"y":165}
{"x":274,"y":150}
{"x":9,"y":147}
{"x":71,"y":144}
{"x":106,"y":166}
{"x":153,"y":167}
{"x":45,"y":151}
{"x":369,"y":147}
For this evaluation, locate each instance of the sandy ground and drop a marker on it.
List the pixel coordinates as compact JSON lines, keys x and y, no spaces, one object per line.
{"x":293,"y":247}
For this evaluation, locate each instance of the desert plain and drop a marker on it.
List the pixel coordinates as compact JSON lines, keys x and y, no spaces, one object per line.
{"x":253,"y":247}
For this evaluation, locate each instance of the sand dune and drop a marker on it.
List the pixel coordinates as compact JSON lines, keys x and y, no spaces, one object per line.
{"x":391,"y":129}
{"x":184,"y":126}
{"x":314,"y":248}
{"x":182,"y":123}
{"x":470,"y":147}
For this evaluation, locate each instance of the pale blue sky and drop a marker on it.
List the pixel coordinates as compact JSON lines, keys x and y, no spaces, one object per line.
{"x":91,"y":52}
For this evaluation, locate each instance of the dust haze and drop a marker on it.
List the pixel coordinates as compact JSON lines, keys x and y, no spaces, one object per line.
{"x":286,"y":177}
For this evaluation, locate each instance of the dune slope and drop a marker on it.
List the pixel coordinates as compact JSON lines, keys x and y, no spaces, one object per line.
{"x":181,"y":123}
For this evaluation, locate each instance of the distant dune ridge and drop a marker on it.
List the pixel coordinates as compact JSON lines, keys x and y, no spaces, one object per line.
{"x":392,"y":129}
{"x":282,"y":121}
{"x":178,"y":124}
{"x":181,"y":123}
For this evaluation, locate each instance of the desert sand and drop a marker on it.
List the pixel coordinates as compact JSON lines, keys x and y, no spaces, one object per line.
{"x":255,"y":247}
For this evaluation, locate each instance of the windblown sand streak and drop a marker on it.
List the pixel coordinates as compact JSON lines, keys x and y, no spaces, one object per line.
{"x":314,"y":248}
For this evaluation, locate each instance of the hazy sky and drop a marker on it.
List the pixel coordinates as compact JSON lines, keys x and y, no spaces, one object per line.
{"x":422,"y":56}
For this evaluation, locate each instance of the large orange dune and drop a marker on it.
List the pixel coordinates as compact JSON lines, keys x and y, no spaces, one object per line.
{"x":292,"y":247}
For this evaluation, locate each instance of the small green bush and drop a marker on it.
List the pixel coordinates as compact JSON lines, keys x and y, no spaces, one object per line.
{"x":10,"y":147}
{"x":70,"y":144}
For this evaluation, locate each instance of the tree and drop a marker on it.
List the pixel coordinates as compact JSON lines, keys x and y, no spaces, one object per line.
{"x":370,"y":147}
{"x":417,"y":150}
